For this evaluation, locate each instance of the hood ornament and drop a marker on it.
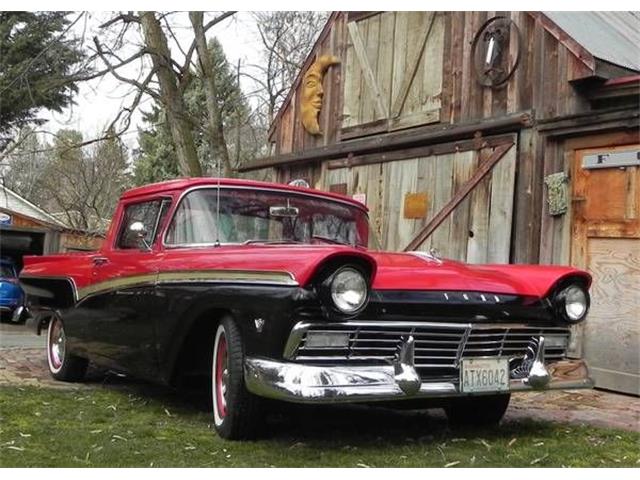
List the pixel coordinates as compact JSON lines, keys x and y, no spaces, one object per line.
{"x":432,"y":255}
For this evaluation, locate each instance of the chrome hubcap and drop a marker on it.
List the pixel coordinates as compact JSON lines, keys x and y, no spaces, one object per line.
{"x":57,"y":343}
{"x":221,"y":377}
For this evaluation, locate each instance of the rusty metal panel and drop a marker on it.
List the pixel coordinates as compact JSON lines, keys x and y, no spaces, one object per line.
{"x":416,"y":205}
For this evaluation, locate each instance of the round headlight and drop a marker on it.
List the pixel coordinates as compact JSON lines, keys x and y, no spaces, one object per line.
{"x":574,"y":302}
{"x":349,"y":290}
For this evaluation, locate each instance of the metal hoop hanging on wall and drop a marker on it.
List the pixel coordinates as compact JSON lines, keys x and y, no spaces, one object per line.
{"x":491,"y":51}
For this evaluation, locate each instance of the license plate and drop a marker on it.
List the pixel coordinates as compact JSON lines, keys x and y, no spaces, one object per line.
{"x":484,"y":375}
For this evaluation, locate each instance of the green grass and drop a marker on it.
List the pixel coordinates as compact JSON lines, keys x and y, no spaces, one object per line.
{"x":144,"y":426}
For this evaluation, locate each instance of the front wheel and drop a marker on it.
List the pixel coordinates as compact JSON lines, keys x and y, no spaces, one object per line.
{"x":237,"y":413}
{"x":63,"y":365}
{"x":484,"y":410}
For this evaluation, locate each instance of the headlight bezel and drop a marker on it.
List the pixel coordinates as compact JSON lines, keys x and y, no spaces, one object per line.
{"x":326,"y":291}
{"x":560,"y":301}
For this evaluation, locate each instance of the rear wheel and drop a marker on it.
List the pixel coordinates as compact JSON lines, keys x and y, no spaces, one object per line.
{"x":237,"y":413}
{"x":485,"y":410}
{"x":63,"y":365}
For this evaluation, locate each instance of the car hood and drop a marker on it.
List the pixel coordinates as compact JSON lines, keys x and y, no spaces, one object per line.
{"x":419,"y":271}
{"x":392,"y":271}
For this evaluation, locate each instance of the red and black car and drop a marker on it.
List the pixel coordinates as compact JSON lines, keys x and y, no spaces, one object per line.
{"x":277,"y":291}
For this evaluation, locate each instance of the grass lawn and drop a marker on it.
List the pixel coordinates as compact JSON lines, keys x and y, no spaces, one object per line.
{"x":143,"y":426}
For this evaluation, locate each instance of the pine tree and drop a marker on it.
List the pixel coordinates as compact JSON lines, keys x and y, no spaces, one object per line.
{"x":36,"y":68}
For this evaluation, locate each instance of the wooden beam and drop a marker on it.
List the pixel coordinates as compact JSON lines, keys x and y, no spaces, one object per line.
{"x":483,"y":169}
{"x":590,"y":118}
{"x":422,"y":151}
{"x":357,"y":16}
{"x":402,"y":139}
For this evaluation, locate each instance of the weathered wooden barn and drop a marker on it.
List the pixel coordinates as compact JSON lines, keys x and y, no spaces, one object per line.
{"x":492,"y":137}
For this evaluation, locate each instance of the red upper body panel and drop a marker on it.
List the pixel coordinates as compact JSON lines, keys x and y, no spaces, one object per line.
{"x":392,"y":271}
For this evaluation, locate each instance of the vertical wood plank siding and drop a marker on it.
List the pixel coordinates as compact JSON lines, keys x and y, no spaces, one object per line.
{"x":478,"y":229}
{"x":422,"y":71}
{"x":444,"y":78}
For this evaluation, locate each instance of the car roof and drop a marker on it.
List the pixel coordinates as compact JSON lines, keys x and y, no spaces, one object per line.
{"x":185,"y":183}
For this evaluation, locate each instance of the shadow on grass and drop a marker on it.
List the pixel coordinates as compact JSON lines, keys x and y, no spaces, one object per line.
{"x":331,"y":426}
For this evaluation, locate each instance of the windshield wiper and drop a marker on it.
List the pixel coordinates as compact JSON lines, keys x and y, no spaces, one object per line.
{"x":329,"y":240}
{"x":270,"y":242}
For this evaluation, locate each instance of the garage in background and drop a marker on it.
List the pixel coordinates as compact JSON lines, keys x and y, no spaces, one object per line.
{"x":26,"y":229}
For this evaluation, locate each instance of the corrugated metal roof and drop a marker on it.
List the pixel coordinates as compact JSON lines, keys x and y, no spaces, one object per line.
{"x":610,"y":36}
{"x":10,"y":200}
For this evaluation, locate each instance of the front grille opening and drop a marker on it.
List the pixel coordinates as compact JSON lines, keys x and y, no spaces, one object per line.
{"x":438,"y":349}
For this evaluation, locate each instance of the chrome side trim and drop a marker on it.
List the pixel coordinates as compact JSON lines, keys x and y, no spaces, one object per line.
{"x":236,"y":276}
{"x":116,"y":283}
{"x":191,"y":276}
{"x":300,"y":383}
{"x":262,"y":277}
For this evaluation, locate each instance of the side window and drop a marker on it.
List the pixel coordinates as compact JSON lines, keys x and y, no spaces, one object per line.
{"x":146,"y":212}
{"x":194,"y":221}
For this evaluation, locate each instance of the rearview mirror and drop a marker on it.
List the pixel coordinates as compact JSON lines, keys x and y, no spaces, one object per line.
{"x":282,"y":211}
{"x":140,"y":232}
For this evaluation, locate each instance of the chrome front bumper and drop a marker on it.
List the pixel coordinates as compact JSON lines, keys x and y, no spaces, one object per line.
{"x":300,"y":383}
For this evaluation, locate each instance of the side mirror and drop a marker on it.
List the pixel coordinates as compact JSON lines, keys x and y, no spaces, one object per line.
{"x":140,"y":232}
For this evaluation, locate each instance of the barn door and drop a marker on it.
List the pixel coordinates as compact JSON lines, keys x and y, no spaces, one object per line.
{"x":606,"y":241}
{"x":392,"y":72}
{"x":459,"y":202}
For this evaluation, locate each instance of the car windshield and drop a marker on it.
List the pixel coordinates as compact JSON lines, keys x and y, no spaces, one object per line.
{"x":247,"y":216}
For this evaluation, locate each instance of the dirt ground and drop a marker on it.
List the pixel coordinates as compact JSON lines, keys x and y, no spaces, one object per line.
{"x":22,"y":362}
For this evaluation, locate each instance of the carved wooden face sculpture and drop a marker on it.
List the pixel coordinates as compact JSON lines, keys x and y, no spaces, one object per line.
{"x":312,"y":92}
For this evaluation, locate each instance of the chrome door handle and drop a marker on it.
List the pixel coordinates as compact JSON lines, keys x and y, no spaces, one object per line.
{"x":100,"y":261}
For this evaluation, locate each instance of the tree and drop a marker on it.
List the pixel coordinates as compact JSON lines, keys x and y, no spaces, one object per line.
{"x":27,"y":167}
{"x":156,"y":158}
{"x":80,"y":185}
{"x":170,"y":95}
{"x":214,"y":109}
{"x":38,"y":67}
{"x":170,"y":76}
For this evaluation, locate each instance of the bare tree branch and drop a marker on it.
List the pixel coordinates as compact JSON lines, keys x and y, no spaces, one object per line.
{"x":113,"y":72}
{"x":123,"y":17}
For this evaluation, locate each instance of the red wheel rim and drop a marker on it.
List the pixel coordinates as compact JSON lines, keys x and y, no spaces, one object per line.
{"x":56,"y":344}
{"x":222,"y":375}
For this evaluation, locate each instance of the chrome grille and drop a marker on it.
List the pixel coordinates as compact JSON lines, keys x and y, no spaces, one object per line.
{"x":438,"y":346}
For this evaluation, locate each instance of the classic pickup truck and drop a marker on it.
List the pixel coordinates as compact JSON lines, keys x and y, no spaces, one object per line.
{"x":277,"y":291}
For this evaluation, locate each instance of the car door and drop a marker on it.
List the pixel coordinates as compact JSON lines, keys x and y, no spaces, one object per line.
{"x":121,"y":329}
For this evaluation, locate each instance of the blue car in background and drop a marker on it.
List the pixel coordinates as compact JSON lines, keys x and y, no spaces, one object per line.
{"x":11,"y":294}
